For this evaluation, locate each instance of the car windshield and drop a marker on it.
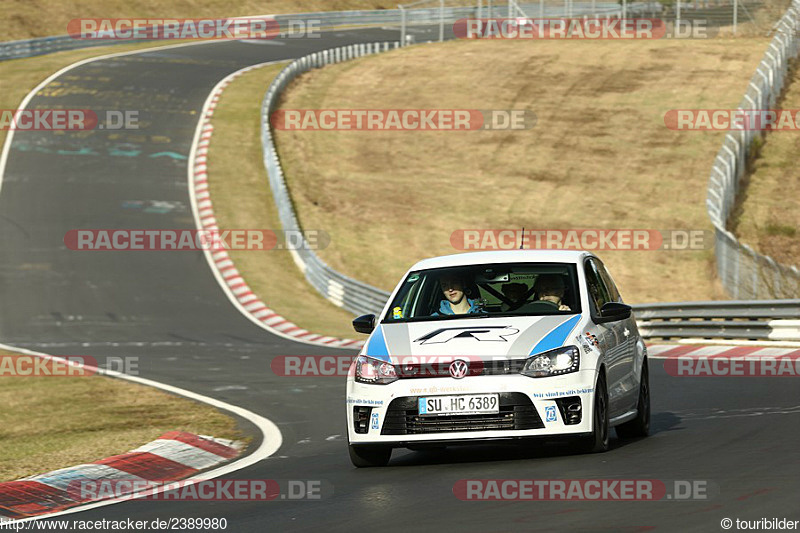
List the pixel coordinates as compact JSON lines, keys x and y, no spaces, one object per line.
{"x":515,"y":289}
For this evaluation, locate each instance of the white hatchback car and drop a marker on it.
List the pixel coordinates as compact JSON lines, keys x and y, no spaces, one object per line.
{"x":498,"y":345}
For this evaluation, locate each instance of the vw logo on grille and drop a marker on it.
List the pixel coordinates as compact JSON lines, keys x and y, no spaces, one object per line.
{"x":459,"y":368}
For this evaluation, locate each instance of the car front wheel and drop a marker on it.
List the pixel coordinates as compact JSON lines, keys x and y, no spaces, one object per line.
{"x":597,"y":442}
{"x":639,"y":426}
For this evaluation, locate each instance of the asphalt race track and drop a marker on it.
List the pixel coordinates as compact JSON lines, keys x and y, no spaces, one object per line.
{"x":738,"y":434}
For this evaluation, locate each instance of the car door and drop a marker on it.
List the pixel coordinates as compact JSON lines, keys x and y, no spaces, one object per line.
{"x":611,"y":339}
{"x":629,"y":393}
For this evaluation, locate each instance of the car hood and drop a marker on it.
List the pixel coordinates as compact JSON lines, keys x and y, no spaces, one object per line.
{"x":512,"y":337}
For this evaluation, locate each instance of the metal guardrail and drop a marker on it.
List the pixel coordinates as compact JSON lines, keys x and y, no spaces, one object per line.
{"x":334,"y":19}
{"x":772,"y":320}
{"x":342,"y":290}
{"x":745,"y":273}
{"x":321,"y":20}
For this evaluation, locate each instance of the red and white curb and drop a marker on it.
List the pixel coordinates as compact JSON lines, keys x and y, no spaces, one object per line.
{"x":221,"y":263}
{"x":667,"y":351}
{"x":173,"y":456}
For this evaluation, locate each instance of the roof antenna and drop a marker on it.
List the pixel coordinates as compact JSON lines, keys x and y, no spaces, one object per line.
{"x":522,"y":238}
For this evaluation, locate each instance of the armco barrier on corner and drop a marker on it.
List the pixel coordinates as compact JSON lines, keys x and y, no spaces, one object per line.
{"x":343,"y":291}
{"x":745,"y":273}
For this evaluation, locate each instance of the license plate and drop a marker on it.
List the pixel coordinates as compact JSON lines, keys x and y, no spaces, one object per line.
{"x":467,"y":404}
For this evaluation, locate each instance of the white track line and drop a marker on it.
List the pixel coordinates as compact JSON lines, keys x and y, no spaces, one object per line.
{"x":270,"y":443}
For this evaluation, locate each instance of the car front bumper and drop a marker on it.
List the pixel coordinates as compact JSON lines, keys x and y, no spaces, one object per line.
{"x":529,"y":407}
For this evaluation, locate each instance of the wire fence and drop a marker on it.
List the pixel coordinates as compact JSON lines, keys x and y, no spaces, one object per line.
{"x":745,"y":273}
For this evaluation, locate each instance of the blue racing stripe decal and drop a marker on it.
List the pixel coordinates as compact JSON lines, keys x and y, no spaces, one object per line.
{"x":556,"y":337}
{"x":377,"y":346}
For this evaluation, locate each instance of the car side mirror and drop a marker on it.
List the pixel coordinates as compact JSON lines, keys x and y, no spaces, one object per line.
{"x":614,"y":311}
{"x":365,"y":324}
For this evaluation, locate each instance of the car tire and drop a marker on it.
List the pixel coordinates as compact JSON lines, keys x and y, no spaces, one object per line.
{"x":639,"y":426}
{"x":597,"y":442}
{"x":367,"y":456}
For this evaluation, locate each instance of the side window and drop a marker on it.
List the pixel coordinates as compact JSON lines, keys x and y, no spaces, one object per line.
{"x":613,"y":293}
{"x":598,"y":296}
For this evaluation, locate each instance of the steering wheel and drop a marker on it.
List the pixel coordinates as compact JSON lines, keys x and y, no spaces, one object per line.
{"x":543,"y":305}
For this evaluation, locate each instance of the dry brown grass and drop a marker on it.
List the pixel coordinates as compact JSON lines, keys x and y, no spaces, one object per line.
{"x":55,"y":422}
{"x":25,"y":19}
{"x":242,"y":199}
{"x":769,"y":215}
{"x":599,"y":157}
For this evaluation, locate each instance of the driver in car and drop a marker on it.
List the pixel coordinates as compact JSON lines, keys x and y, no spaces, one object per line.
{"x":550,"y":288}
{"x":455,"y":299}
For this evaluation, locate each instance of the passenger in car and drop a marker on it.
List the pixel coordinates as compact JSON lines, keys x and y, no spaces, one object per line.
{"x":550,"y":288}
{"x":455,"y":300}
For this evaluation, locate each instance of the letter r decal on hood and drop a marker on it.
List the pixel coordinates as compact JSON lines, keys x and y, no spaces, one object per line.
{"x":483,"y":334}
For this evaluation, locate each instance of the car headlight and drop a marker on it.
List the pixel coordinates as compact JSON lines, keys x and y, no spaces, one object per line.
{"x":374,"y":371}
{"x":553,"y":363}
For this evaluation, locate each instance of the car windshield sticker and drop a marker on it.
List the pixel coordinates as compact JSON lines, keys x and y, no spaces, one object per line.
{"x":486,"y":333}
{"x":397,"y":312}
{"x":412,"y":278}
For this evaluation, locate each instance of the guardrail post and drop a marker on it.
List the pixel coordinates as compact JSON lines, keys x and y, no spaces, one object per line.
{"x":736,"y":270}
{"x":441,"y":21}
{"x":402,"y":25}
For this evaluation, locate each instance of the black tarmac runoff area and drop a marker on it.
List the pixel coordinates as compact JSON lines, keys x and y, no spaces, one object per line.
{"x":737,"y":436}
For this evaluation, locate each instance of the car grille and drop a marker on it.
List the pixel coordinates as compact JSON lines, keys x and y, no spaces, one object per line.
{"x":476,"y":368}
{"x":516,"y":413}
